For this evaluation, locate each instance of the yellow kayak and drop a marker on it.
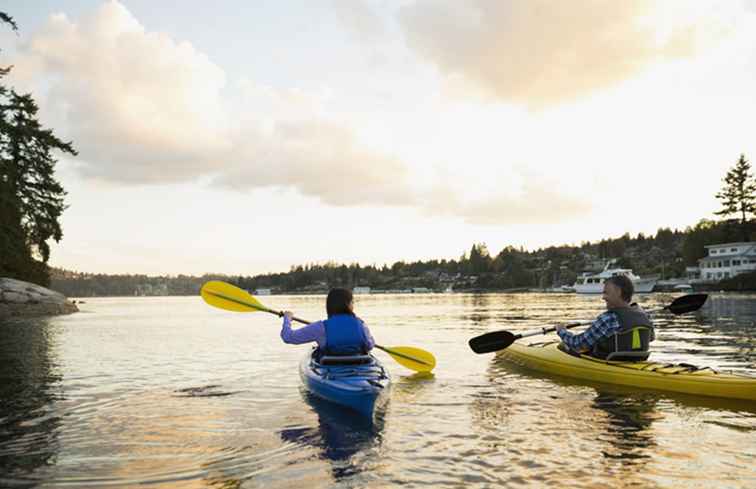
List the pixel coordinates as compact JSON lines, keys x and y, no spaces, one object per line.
{"x":683,"y":378}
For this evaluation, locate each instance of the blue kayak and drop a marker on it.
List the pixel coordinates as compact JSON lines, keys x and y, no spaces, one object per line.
{"x":357,"y":382}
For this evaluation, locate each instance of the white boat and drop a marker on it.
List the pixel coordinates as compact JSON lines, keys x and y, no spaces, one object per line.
{"x":564,"y":289}
{"x":593,"y":283}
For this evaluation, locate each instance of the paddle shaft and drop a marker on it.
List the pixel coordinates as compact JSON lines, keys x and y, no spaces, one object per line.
{"x":259,"y":307}
{"x":550,"y":329}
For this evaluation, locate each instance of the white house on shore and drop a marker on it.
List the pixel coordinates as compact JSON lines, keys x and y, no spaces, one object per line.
{"x":727,"y":260}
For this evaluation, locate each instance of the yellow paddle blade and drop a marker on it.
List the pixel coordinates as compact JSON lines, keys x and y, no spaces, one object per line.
{"x":411,"y":357}
{"x":229,"y":297}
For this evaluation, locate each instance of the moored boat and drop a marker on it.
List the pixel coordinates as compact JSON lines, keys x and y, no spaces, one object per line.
{"x":358,"y":382}
{"x":683,"y":378}
{"x":593,"y":283}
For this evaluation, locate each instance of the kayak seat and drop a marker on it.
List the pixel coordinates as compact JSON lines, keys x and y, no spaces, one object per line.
{"x":345,"y":359}
{"x":628,"y":356}
{"x":631,"y":345}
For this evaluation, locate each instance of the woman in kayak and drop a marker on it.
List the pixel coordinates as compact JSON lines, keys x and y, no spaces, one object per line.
{"x":342,"y":333}
{"x":623,"y":332}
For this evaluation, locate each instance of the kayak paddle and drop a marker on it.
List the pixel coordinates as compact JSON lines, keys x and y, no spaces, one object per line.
{"x":498,"y":340}
{"x":231,"y":298}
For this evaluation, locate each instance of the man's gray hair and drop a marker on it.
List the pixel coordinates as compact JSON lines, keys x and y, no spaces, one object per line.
{"x":624,"y":284}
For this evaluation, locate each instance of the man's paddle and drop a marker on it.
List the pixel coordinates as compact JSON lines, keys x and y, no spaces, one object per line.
{"x":232,"y":298}
{"x":498,"y":340}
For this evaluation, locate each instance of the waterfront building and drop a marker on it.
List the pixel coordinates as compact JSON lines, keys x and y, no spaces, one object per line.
{"x":727,"y":260}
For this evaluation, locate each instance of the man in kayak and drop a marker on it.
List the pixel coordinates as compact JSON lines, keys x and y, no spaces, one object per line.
{"x":623,"y":332}
{"x":342,"y":333}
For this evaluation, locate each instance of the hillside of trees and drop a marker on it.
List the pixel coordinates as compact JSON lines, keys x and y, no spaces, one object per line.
{"x":665,"y":254}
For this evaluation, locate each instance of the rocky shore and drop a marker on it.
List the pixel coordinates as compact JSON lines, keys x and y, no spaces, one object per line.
{"x":18,"y":298}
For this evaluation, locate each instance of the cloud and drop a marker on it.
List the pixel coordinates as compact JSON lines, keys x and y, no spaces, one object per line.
{"x":142,"y":108}
{"x":542,"y":52}
{"x":138,"y":106}
{"x":537,"y":199}
{"x":360,"y":19}
{"x":321,"y":160}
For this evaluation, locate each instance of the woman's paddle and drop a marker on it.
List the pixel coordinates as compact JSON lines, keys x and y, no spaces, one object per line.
{"x":232,"y":298}
{"x":498,"y":340}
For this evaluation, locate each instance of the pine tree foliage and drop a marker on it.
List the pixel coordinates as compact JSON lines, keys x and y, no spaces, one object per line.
{"x":738,"y":194}
{"x":31,"y":199}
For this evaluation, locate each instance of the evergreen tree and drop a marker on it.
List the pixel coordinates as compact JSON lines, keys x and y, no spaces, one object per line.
{"x":31,"y":199}
{"x":480,"y":260}
{"x":665,"y":238}
{"x":12,"y":250}
{"x":738,"y":194}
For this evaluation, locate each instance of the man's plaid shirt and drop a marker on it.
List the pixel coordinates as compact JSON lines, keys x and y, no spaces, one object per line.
{"x":606,"y":325}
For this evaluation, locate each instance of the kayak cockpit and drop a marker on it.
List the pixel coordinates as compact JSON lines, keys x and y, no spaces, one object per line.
{"x":345,"y":359}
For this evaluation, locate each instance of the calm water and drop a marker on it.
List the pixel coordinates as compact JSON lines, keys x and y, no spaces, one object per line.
{"x":168,"y":392}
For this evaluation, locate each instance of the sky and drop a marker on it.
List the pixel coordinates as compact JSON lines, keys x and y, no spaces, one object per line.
{"x":246,"y":137}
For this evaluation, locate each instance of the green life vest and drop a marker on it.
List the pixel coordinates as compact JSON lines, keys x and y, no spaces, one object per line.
{"x":631,"y":342}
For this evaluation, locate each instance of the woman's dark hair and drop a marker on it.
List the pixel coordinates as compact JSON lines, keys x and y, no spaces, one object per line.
{"x":624,"y":284}
{"x":338,"y":302}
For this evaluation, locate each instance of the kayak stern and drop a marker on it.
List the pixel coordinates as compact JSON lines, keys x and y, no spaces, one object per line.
{"x":361,"y":388}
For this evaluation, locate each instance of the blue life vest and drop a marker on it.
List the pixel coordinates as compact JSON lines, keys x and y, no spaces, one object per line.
{"x":345,"y":335}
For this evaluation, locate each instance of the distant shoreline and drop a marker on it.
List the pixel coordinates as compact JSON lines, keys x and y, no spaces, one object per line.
{"x":76,"y":301}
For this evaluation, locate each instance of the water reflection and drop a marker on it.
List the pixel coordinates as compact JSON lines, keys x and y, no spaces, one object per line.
{"x":29,"y":388}
{"x":724,"y":329}
{"x":628,"y":422}
{"x":730,"y":312}
{"x":527,"y":422}
{"x":409,"y":389}
{"x":477,"y":309}
{"x":627,"y":431}
{"x":340,"y":435}
{"x":485,"y":309}
{"x":628,"y":442}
